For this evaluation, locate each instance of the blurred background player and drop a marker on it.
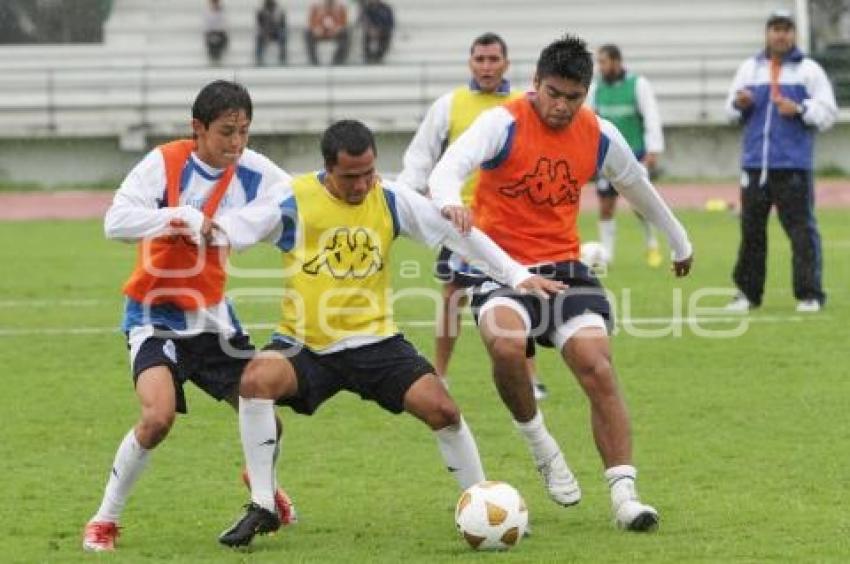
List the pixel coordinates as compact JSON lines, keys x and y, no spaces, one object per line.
{"x":535,"y":154}
{"x":449,"y":116}
{"x":345,"y":221}
{"x":782,"y":98}
{"x":626,"y":100}
{"x":187,"y":203}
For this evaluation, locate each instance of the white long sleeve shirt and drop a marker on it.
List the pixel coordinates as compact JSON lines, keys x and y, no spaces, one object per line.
{"x":246,"y":214}
{"x":426,"y":146}
{"x":247,"y":210}
{"x":487,"y":137}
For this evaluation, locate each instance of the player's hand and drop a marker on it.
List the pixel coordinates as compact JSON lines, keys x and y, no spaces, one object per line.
{"x":682,"y":267}
{"x":743,"y":99}
{"x":786,"y":106}
{"x":650,"y":161}
{"x":178,"y":229}
{"x":208,"y":229}
{"x":461,"y":217}
{"x":541,"y":287}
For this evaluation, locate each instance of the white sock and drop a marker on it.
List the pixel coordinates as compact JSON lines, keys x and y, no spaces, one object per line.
{"x":259,"y":441}
{"x":607,"y":236}
{"x":621,"y":480}
{"x":460,"y":453}
{"x":648,"y":233}
{"x":542,"y":445}
{"x":130,"y":460}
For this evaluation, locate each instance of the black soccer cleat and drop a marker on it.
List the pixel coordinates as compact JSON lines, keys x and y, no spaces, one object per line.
{"x":256,"y":521}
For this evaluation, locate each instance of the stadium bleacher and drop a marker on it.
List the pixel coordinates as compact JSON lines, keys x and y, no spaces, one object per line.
{"x":153,"y":61}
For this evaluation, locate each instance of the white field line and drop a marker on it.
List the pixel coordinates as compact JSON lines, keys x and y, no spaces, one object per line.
{"x":416,"y":323}
{"x":243,"y":299}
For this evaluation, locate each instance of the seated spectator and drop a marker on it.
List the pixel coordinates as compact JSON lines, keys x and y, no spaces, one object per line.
{"x":271,"y":27}
{"x":328,"y":22}
{"x":215,"y":32}
{"x":378,"y":25}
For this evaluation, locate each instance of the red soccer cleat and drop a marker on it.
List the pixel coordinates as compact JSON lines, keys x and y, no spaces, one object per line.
{"x":285,"y":507}
{"x":99,"y":536}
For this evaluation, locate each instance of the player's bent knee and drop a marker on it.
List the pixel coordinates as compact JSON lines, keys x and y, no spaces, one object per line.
{"x":598,"y":376}
{"x":505,"y":349}
{"x":154,"y":427}
{"x":267,"y":378}
{"x":444,"y":414}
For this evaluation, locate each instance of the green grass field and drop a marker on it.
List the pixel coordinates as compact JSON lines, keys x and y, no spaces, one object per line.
{"x":742,"y":443}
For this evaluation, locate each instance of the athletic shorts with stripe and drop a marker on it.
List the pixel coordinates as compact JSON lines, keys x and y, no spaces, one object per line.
{"x":381,"y":372}
{"x":208,"y":360}
{"x":551,"y":322}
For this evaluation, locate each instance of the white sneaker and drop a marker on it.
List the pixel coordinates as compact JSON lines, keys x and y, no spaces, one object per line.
{"x":561,"y":484}
{"x":633,"y":515}
{"x":739,"y":304}
{"x":808,"y":306}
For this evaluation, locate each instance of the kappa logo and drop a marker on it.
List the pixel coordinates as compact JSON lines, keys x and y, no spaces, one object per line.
{"x":548,"y":184}
{"x":348,"y":254}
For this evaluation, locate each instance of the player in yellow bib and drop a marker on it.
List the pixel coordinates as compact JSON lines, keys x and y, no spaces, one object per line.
{"x":337,"y":330}
{"x":449,"y":116}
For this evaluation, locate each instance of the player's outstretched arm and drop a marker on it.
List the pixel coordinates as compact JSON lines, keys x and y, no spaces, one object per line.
{"x":631,"y":181}
{"x":244,"y":227}
{"x":419,"y":219}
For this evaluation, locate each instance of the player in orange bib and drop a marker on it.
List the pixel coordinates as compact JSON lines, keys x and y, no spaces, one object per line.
{"x":535,"y":155}
{"x":186,"y":204}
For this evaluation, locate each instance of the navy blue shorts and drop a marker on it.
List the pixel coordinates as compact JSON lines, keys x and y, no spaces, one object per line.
{"x":200,"y":359}
{"x":381,"y":372}
{"x":585,"y":294}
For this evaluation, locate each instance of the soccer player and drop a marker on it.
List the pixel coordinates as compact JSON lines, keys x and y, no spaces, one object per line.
{"x":535,"y":154}
{"x":627,"y":101}
{"x":337,"y":331}
{"x":446,"y":119}
{"x":187,"y":203}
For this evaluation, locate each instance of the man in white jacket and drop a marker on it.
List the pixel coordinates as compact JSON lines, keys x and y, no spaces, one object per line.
{"x":782,"y":98}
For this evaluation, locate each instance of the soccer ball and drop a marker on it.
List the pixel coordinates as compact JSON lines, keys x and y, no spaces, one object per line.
{"x":594,"y":254}
{"x":491,"y":516}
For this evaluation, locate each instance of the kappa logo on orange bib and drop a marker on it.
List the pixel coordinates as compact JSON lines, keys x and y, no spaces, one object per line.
{"x":549,"y":184}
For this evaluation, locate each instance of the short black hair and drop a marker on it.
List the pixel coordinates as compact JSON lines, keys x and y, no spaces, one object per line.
{"x":612,"y":51}
{"x":567,"y":57}
{"x":218,"y":98}
{"x":347,"y":135}
{"x":490,"y":38}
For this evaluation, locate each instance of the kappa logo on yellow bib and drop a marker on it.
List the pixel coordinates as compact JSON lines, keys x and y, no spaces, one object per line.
{"x":348,"y":253}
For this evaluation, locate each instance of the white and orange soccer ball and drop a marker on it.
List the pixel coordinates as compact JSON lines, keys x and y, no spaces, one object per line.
{"x":491,"y":516}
